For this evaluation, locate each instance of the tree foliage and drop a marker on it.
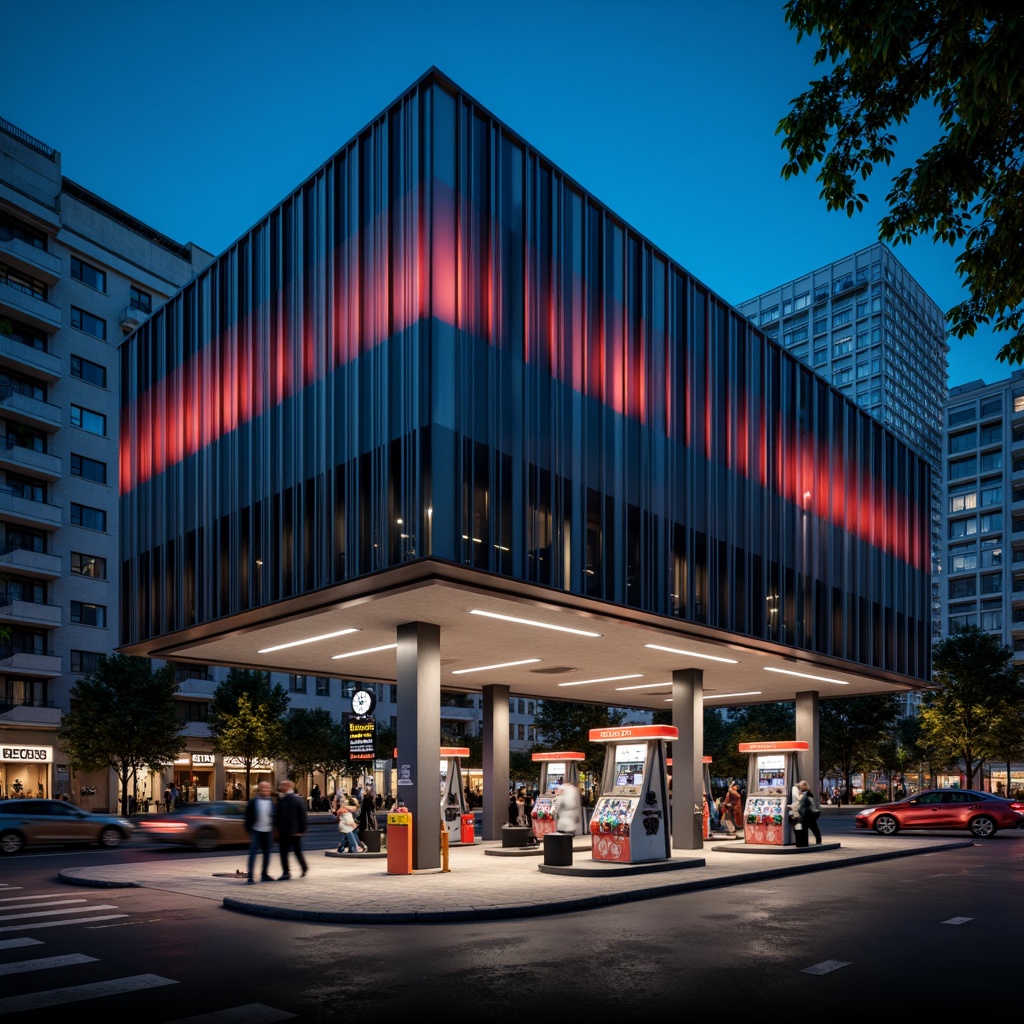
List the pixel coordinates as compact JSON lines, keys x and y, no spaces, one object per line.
{"x":311,"y":741}
{"x":886,"y":59}
{"x":123,"y":716}
{"x":851,"y":729}
{"x":246,"y":718}
{"x":979,"y":686}
{"x":565,"y":725}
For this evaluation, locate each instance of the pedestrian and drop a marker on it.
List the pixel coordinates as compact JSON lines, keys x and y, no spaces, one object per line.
{"x":519,"y":809}
{"x":568,"y":809}
{"x":347,"y":826}
{"x":290,"y":818}
{"x":368,"y":812}
{"x":168,"y":797}
{"x":259,"y":823}
{"x":732,"y":810}
{"x":807,"y":813}
{"x":314,"y":797}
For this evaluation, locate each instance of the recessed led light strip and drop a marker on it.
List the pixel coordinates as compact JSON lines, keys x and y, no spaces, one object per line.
{"x":691,"y":654}
{"x":606,"y":679}
{"x":308,"y":640}
{"x":642,"y":686}
{"x":368,"y":650}
{"x":804,"y":675}
{"x":532,"y":622}
{"x":487,"y":668}
{"x":719,"y":696}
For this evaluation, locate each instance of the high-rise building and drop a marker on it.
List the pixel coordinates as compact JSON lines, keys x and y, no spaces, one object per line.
{"x":76,"y":275}
{"x":866,"y":326}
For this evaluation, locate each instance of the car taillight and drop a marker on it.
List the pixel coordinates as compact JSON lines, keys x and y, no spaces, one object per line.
{"x":1017,"y":806}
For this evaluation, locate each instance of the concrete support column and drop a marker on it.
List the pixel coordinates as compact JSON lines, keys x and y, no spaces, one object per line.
{"x":808,"y":728}
{"x":688,"y":759}
{"x":495,"y":766}
{"x":419,"y":737}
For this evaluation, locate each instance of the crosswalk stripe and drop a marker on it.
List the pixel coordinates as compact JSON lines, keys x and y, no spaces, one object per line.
{"x":23,"y":905}
{"x":23,"y":941}
{"x":56,"y":924}
{"x":76,"y":993}
{"x":45,"y":963}
{"x":66,"y":910}
{"x":253,"y":1013}
{"x":21,"y":899}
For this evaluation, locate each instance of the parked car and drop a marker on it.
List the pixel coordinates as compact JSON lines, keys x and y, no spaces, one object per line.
{"x":203,"y":826}
{"x":32,"y":822}
{"x":982,"y":814}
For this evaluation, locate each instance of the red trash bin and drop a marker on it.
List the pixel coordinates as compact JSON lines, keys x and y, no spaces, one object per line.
{"x":468,"y":829}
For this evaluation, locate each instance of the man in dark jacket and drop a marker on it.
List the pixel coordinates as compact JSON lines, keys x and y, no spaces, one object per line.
{"x":290,"y":819}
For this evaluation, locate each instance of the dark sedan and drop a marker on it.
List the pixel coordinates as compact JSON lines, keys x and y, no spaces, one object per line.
{"x":981,"y":814}
{"x":32,"y":822}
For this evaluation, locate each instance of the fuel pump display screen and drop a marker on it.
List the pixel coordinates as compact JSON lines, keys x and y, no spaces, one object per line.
{"x":771,"y":771}
{"x":630,"y":759}
{"x":556,"y":775}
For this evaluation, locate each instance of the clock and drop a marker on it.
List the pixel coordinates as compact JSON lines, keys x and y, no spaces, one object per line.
{"x":363,"y":702}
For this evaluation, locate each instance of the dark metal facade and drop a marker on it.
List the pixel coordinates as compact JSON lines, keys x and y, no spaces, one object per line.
{"x":440,"y":346}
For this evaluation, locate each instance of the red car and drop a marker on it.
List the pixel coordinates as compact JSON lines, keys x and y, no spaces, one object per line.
{"x":981,"y":814}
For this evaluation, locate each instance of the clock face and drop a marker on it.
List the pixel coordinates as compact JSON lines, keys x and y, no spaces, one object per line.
{"x":363,"y":702}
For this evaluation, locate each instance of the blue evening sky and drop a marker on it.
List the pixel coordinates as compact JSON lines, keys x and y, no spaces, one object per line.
{"x":198,"y":116}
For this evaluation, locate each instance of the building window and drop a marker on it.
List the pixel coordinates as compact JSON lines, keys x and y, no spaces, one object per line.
{"x":88,"y":469}
{"x":841,"y":317}
{"x":961,"y":442}
{"x":963,"y":561}
{"x":991,"y":495}
{"x":90,"y":372}
{"x":89,"y":614}
{"x":16,"y":589}
{"x":24,"y":283}
{"x":88,"y":323}
{"x":521,"y":731}
{"x":991,"y":521}
{"x":25,"y":487}
{"x":88,"y":274}
{"x":963,"y":467}
{"x":94,"y":422}
{"x":992,"y":434}
{"x":962,"y":528}
{"x":90,"y":518}
{"x":960,"y":621}
{"x":991,"y":407}
{"x":963,"y":502}
{"x":990,"y":556}
{"x":992,"y":583}
{"x":991,"y":618}
{"x":964,"y":587}
{"x":140,"y":300}
{"x":964,"y":414}
{"x":769,"y":315}
{"x":85,"y":661}
{"x":991,"y":461}
{"x":88,"y":565}
{"x":842,"y":346}
{"x":802,"y":301}
{"x":296,"y":684}
{"x":1018,"y":403}
{"x":323,"y":686}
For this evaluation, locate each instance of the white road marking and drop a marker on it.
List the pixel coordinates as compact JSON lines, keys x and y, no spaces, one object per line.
{"x":12,"y":943}
{"x":75,"y":993}
{"x":958,"y":920}
{"x":56,"y":924}
{"x":67,"y":910}
{"x":253,"y":1013}
{"x":825,"y":966}
{"x":18,"y":899}
{"x":46,"y":963}
{"x":21,"y":903}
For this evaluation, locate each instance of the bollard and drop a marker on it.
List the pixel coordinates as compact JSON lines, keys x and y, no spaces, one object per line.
{"x":444,"y":848}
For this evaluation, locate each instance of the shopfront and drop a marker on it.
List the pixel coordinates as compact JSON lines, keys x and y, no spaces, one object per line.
{"x":234,"y":776}
{"x":25,"y":770}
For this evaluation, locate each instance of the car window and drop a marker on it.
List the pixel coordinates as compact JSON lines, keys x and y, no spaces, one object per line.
{"x":233,"y":811}
{"x":63,"y":809}
{"x":930,"y":798}
{"x":957,"y":797}
{"x":33,"y":807}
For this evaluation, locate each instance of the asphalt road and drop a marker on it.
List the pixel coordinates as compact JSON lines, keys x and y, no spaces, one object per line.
{"x":937,"y":934}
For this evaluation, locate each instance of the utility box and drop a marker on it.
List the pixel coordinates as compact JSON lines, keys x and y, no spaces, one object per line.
{"x":468,"y":834}
{"x":399,"y":843}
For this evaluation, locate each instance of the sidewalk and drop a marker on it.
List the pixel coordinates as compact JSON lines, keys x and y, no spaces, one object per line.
{"x":486,"y":882}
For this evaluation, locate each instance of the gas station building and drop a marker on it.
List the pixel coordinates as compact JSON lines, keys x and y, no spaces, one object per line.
{"x":442,"y":419}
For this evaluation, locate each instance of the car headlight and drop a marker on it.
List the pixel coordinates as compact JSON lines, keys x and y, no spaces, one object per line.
{"x":863,"y":814}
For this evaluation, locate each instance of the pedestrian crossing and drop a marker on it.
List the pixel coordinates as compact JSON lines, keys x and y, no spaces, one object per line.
{"x":22,"y":955}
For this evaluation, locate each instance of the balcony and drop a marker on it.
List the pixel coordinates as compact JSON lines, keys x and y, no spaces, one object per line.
{"x":25,"y":306}
{"x":29,"y":715}
{"x":196,"y":686}
{"x":16,"y":405}
{"x":454,"y":713}
{"x":28,"y":663}
{"x":36,"y":564}
{"x":19,"y":356}
{"x":30,"y":613}
{"x":28,"y":460}
{"x":30,"y":258}
{"x":131,"y":317}
{"x":26,"y":512}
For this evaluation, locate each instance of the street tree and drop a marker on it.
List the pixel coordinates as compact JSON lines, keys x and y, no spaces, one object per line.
{"x":849,"y":732}
{"x":123,"y":716}
{"x":246,"y":718}
{"x":309,"y":740}
{"x":886,"y":61}
{"x":1007,"y":742}
{"x":566,"y":725}
{"x":978,"y":686}
{"x":898,"y":750}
